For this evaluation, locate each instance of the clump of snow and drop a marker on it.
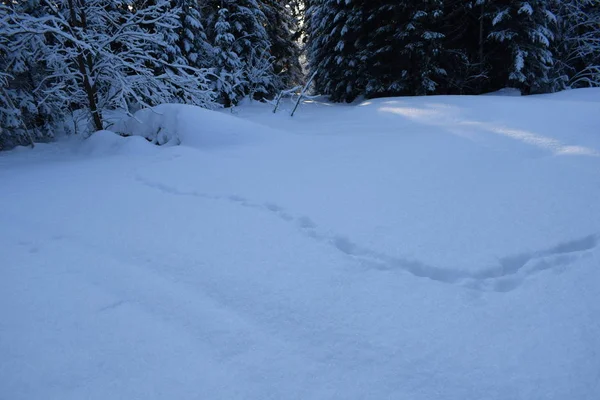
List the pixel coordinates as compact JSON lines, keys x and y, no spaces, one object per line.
{"x":175,"y":124}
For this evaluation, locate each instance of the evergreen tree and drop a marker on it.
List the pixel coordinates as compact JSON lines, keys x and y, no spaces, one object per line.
{"x":228,"y":66}
{"x":192,"y":39}
{"x":376,"y":48}
{"x":465,"y":29}
{"x":183,"y":52}
{"x":283,"y":29}
{"x":522,"y":33}
{"x":404,"y":51}
{"x":247,"y":41}
{"x":319,"y":25}
{"x":336,"y":39}
{"x":423,"y":47}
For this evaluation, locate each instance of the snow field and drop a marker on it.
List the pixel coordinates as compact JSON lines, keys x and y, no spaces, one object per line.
{"x":422,"y":248}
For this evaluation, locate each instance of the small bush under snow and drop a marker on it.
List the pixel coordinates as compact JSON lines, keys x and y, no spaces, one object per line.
{"x":174,"y":124}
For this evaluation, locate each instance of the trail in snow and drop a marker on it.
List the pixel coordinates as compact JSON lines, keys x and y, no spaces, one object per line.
{"x":510,"y":272}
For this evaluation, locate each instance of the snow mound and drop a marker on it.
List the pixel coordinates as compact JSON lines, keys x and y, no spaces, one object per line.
{"x":591,"y":95}
{"x":175,"y":124}
{"x":106,"y":142}
{"x":511,"y":92}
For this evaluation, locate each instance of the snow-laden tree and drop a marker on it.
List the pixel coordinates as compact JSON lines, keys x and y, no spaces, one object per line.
{"x":337,"y":33}
{"x":12,"y":130}
{"x":283,"y":30}
{"x":465,"y":25}
{"x":192,"y":39}
{"x":237,"y":31}
{"x":100,"y":55}
{"x":183,"y":54}
{"x":228,"y":67}
{"x":522,"y":32}
{"x":348,"y":53}
{"x":318,"y":25}
{"x":405,"y":47}
{"x":577,"y":45}
{"x":423,"y":47}
{"x":188,"y":38}
{"x":376,"y":47}
{"x":26,"y":112}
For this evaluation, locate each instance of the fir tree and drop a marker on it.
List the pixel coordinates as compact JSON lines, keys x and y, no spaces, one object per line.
{"x":522,"y":33}
{"x":404,"y":50}
{"x":337,"y":34}
{"x":247,"y":41}
{"x":228,"y":66}
{"x":283,"y":29}
{"x":192,"y":38}
{"x":465,"y":50}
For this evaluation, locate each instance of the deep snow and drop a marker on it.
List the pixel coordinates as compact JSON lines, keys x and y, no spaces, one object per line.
{"x":402,"y":248}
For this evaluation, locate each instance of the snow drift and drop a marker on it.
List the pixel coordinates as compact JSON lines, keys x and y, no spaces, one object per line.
{"x":193,"y":126}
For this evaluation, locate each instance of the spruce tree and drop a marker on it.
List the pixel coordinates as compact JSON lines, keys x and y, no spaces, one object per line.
{"x":283,"y":28}
{"x":228,"y":66}
{"x":465,"y":29}
{"x":321,"y":39}
{"x":192,"y":38}
{"x":404,"y":50}
{"x":247,"y":41}
{"x":522,"y":33}
{"x":337,"y":36}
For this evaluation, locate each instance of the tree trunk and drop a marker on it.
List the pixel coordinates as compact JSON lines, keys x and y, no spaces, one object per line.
{"x":90,"y":90}
{"x":481,"y":38}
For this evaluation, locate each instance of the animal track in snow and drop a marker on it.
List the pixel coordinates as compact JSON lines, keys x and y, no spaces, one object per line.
{"x":306,"y":223}
{"x":510,"y":272}
{"x":112,"y":306}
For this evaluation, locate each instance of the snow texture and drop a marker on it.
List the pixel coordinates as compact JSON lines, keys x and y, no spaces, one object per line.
{"x":399,"y":248}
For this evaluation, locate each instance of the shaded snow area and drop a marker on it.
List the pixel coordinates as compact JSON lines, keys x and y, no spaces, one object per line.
{"x":400,"y":248}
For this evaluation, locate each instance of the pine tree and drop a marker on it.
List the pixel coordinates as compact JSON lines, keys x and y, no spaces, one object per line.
{"x":247,"y":41}
{"x":465,"y":50}
{"x":228,"y":66}
{"x":337,"y":34}
{"x":319,"y":25}
{"x":182,"y":52}
{"x":376,"y":47}
{"x":404,"y":50}
{"x":192,"y":39}
{"x":385,"y":74}
{"x":283,"y":29}
{"x":424,"y":47}
{"x":522,"y":32}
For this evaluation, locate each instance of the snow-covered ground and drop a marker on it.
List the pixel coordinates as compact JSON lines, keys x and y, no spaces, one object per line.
{"x":406,"y":248}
